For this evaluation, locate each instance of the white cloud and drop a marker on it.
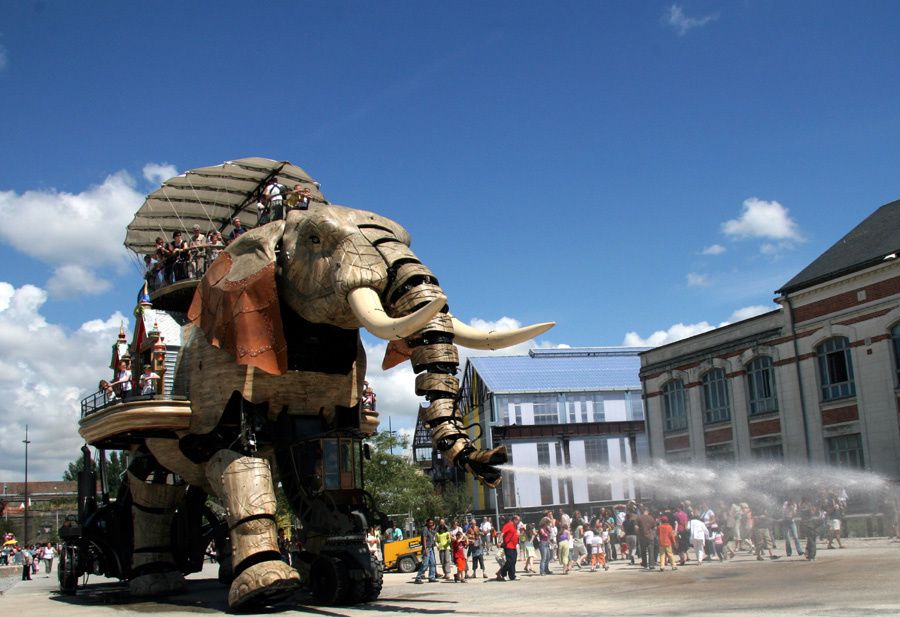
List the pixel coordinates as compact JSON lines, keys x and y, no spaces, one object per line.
{"x":715,"y":249}
{"x":681,"y":331}
{"x":84,"y":229}
{"x":676,"y":18}
{"x":747,"y":312}
{"x":157,"y":173}
{"x":45,"y":372}
{"x":763,"y":219}
{"x":73,"y":280}
{"x":697,"y":280}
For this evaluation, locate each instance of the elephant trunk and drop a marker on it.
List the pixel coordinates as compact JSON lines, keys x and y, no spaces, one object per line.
{"x":435,"y":360}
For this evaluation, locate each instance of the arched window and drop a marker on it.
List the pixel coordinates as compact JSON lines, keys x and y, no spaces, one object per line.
{"x":836,"y":369}
{"x":674,"y":411}
{"x":895,"y":338}
{"x":761,"y":386}
{"x":716,"y":405}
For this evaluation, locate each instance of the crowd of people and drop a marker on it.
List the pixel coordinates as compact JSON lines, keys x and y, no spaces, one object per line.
{"x":28,"y":557}
{"x":187,"y":258}
{"x":655,"y":537}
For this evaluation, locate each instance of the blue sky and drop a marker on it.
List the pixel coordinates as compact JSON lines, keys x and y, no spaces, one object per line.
{"x":616,"y":167}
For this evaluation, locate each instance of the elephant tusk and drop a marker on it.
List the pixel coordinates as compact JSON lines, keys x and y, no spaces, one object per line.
{"x":467,"y":336}
{"x":367,"y":307}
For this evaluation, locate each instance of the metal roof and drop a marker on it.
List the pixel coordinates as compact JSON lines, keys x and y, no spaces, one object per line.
{"x":867,"y":244}
{"x":167,"y":322}
{"x":576,"y":369}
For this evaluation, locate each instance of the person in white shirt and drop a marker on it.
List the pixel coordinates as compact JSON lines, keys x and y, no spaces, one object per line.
{"x":699,"y":535}
{"x":149,"y":381}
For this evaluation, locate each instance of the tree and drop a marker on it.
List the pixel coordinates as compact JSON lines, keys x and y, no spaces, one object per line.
{"x":398,"y":485}
{"x":116,"y":464}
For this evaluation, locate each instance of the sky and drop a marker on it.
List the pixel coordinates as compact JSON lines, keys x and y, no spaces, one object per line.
{"x":637,"y":172}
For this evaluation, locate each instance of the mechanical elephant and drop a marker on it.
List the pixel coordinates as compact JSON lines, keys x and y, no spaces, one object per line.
{"x":274,"y":365}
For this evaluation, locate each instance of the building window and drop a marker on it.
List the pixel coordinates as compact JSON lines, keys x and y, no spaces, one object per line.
{"x":596,"y":457}
{"x":584,"y":408}
{"x":635,"y":406}
{"x":543,"y":456}
{"x":674,"y":412}
{"x":721,"y":453}
{"x":716,"y":407}
{"x":767,"y":453}
{"x":546,"y":410}
{"x":761,"y":386}
{"x":895,"y":337}
{"x":845,"y":451}
{"x":836,"y":369}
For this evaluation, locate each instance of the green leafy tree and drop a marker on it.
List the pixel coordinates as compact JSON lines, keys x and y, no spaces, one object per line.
{"x":397,"y":484}
{"x":457,"y":501}
{"x":116,"y":464}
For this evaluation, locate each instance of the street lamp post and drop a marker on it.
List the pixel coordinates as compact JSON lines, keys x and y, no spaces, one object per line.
{"x":25,"y":520}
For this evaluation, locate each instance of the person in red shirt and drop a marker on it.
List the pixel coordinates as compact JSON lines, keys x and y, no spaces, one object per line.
{"x":666,"y":543}
{"x":459,"y":544}
{"x":510,"y":543}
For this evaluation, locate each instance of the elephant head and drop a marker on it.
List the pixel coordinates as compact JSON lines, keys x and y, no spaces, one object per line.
{"x":348,"y":269}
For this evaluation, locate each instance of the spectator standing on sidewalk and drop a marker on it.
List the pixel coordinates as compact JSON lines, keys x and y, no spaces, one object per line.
{"x":428,"y":562}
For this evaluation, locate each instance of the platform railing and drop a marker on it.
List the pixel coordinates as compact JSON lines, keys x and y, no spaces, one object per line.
{"x":100,"y":400}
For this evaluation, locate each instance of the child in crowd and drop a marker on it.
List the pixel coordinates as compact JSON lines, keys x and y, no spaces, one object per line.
{"x":598,"y":555}
{"x":667,"y":542}
{"x":458,"y":544}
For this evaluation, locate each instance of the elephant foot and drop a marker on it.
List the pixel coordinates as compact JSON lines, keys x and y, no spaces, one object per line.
{"x":157,"y":584}
{"x":263,"y":583}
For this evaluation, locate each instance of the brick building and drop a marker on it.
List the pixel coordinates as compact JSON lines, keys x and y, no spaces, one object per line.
{"x":817,"y":379}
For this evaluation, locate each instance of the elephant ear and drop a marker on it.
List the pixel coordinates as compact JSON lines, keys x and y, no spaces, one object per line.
{"x":236,"y":304}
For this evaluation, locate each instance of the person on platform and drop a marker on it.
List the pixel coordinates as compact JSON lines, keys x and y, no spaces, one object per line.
{"x":149,"y":381}
{"x":237,"y":231}
{"x":125,"y":387}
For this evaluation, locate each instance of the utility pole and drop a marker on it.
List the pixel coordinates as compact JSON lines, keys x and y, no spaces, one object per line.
{"x":25,"y":521}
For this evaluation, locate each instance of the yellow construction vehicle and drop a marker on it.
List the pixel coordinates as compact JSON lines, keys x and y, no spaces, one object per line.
{"x":403,"y":555}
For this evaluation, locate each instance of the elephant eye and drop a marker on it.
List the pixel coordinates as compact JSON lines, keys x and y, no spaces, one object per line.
{"x":314,"y":239}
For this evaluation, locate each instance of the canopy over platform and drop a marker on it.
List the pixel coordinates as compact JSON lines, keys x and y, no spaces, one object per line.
{"x":210,"y":197}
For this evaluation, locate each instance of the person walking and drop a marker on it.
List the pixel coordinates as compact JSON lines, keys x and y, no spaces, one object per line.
{"x":834,"y":514}
{"x":529,"y":543}
{"x":510,"y":542}
{"x":810,"y":526}
{"x":47,"y":555}
{"x":27,"y":561}
{"x":564,"y":539}
{"x":428,"y":545}
{"x":629,"y":527}
{"x":667,"y":542}
{"x":646,"y":528}
{"x":789,"y":527}
{"x":699,"y":536}
{"x":544,"y":546}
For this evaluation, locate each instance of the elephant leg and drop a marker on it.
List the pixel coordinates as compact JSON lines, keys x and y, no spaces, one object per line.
{"x":153,"y":508}
{"x":244,"y":484}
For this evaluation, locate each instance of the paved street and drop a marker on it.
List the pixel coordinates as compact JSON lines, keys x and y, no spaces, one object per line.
{"x":859,"y":580}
